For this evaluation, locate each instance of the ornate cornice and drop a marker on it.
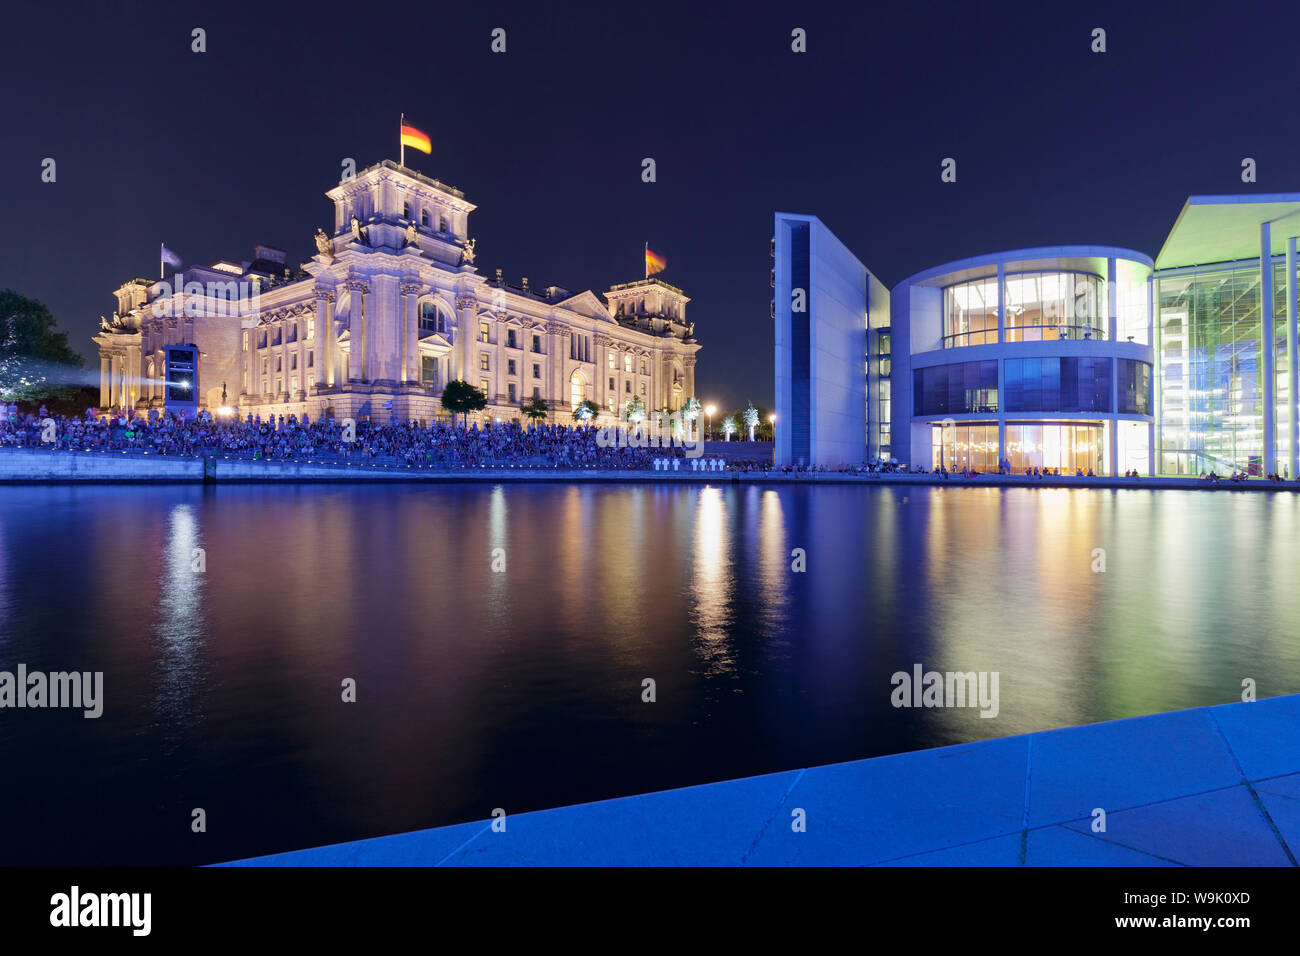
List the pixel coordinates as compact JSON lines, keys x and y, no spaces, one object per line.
{"x":410,"y":288}
{"x":466,"y":301}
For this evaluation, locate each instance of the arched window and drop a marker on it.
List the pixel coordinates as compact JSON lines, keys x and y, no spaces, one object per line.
{"x":575,"y":390}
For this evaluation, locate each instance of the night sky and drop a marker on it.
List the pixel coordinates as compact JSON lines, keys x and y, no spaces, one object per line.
{"x":214,"y":152}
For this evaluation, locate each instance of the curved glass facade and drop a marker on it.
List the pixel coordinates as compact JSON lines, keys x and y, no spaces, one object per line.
{"x":1044,"y":306}
{"x":970,"y":313}
{"x":1039,"y":306}
{"x":957,"y":389}
{"x":1058,"y":385}
{"x":1069,"y":446}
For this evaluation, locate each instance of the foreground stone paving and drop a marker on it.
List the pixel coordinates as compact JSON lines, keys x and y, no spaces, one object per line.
{"x":1211,"y":786}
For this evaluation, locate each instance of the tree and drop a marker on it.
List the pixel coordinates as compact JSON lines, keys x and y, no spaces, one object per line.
{"x":634,"y":410}
{"x":462,"y":397}
{"x":729,"y":427}
{"x":751,"y":419}
{"x":585,"y":411}
{"x":690,"y":412}
{"x":35,"y":358}
{"x":537,"y":409}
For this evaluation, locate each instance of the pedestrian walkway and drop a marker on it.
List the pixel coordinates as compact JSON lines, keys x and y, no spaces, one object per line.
{"x":1212,"y":786}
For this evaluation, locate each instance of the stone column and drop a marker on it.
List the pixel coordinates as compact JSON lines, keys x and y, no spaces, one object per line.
{"x":357,"y":321}
{"x":105,"y":380}
{"x":326,"y":342}
{"x":406,"y":335}
{"x":467,"y":328}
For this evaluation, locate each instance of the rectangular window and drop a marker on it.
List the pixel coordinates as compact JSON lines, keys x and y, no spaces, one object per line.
{"x":483,"y":363}
{"x":428,"y":370}
{"x":511,"y":391}
{"x":537,"y":393}
{"x":627,"y":363}
{"x":483,"y":387}
{"x":627,"y":386}
{"x":293,"y":361}
{"x":311,"y":382}
{"x":611,"y":383}
{"x":510,"y":366}
{"x":537,"y":370}
{"x":482,"y":331}
{"x":537,"y":343}
{"x":613,"y":361}
{"x":510,"y":339}
{"x":311,"y":328}
{"x":279,"y":363}
{"x":293,"y":383}
{"x":643,"y":366}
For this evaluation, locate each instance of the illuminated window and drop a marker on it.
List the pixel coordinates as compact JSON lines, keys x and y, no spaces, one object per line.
{"x":575,"y":390}
{"x":483,"y":363}
{"x":482,"y":331}
{"x":483,"y":385}
{"x":627,"y":363}
{"x":311,"y":327}
{"x":613,"y":361}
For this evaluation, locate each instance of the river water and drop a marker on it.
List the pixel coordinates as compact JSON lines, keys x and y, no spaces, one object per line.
{"x":499,"y":638}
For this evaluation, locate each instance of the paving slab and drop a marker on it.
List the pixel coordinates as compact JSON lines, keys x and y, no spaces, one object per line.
{"x":1221,"y":828}
{"x":1126,"y":763}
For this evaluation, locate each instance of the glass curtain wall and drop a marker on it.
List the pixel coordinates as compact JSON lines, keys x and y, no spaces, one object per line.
{"x":1211,"y":397}
{"x":970,"y":313}
{"x":1046,"y":306}
{"x":964,"y":447}
{"x":1050,"y":445}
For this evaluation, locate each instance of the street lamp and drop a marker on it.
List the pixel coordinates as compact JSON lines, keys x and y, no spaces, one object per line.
{"x":708,"y":416}
{"x":771,"y":420}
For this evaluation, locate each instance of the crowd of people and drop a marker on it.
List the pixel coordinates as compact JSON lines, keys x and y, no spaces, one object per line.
{"x":327,"y":439}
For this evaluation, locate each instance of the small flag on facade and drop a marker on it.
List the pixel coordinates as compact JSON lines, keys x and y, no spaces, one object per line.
{"x":653,"y":262}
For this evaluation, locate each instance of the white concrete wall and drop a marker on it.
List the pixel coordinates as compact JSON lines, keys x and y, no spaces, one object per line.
{"x":838,"y":343}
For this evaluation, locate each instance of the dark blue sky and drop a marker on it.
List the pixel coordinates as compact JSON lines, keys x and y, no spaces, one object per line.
{"x":214,"y":152}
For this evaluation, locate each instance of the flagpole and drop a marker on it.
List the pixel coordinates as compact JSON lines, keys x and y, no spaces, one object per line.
{"x":160,"y":260}
{"x":402,"y":139}
{"x":646,"y":259}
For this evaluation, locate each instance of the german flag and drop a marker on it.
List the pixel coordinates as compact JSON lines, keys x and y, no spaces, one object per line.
{"x":413,"y":138}
{"x":653,"y":262}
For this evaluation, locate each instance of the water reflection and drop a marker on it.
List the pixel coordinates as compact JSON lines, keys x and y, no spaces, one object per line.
{"x":712,"y":583}
{"x":522,"y":688}
{"x":180,"y":625}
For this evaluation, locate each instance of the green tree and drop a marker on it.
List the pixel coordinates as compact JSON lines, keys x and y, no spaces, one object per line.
{"x":537,"y":409}
{"x":462,"y":397}
{"x":585,"y":412}
{"x":35,"y":358}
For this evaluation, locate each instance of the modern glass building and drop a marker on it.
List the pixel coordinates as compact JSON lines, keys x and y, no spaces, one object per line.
{"x":1090,"y":358}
